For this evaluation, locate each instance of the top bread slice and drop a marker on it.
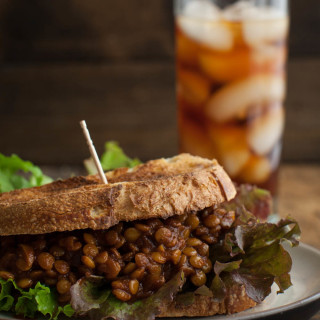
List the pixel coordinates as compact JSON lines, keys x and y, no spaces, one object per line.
{"x":159,"y":188}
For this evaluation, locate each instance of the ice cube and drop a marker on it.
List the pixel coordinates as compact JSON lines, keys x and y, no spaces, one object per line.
{"x":246,"y":10}
{"x":200,"y":20}
{"x":239,"y":11}
{"x":275,"y":155}
{"x":260,"y":32}
{"x":257,"y":170}
{"x":225,"y":67}
{"x":203,"y":9}
{"x":233,"y":160}
{"x":230,"y":142}
{"x":186,"y":50}
{"x":214,"y":34}
{"x":193,"y":139}
{"x":193,"y":87}
{"x":266,"y":130}
{"x":234,"y":100}
{"x":269,"y":58}
{"x":261,"y":25}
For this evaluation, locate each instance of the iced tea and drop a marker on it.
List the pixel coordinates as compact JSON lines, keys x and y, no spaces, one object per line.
{"x":231,"y":86}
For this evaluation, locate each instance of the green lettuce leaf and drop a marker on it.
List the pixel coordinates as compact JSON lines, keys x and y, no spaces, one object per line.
{"x":40,"y":299}
{"x":112,"y":158}
{"x":6,"y":299}
{"x":95,"y":299}
{"x":66,"y":310}
{"x":10,"y":174}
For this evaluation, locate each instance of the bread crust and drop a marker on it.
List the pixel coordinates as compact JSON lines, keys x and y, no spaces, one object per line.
{"x":235,"y":301}
{"x":159,"y":188}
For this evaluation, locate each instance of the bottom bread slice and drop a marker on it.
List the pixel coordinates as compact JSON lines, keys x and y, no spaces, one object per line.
{"x":235,"y":301}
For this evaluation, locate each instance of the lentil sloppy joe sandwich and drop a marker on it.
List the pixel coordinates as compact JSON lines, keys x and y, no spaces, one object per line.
{"x":168,"y":238}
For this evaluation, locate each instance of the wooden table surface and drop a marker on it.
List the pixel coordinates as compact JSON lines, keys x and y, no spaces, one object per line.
{"x":299,"y":196}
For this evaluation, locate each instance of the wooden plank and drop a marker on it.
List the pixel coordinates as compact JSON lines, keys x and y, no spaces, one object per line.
{"x":304,"y":34}
{"x":40,"y":107}
{"x":85,"y":30}
{"x":302,"y":133}
{"x":78,"y":30}
{"x":299,"y":191}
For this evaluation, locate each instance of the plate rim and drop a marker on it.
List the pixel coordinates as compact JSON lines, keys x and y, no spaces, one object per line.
{"x":290,"y":306}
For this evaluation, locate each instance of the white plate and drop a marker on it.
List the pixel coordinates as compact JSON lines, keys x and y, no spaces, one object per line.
{"x":299,"y":302}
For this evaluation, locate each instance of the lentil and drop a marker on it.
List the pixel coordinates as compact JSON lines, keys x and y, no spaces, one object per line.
{"x":132,"y":234}
{"x":121,"y":294}
{"x":87,"y":261}
{"x":63,"y":286}
{"x":24,"y":283}
{"x":45,"y":260}
{"x":90,"y":250}
{"x":102,"y":257}
{"x":89,"y":238}
{"x":196,"y":262}
{"x":158,"y":257}
{"x":129,"y":268}
{"x":199,"y":279}
{"x":136,"y":258}
{"x":133,"y":286}
{"x":62,"y":266}
{"x":6,"y":275}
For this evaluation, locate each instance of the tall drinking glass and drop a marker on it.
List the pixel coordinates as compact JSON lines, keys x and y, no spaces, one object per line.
{"x":231,"y":85}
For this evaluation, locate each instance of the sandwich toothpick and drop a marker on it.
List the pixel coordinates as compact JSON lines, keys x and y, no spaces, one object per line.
{"x":93,"y":152}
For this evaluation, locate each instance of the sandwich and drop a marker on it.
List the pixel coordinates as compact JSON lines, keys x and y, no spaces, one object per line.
{"x":168,"y":238}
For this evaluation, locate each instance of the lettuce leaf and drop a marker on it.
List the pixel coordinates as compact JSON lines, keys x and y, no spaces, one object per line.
{"x":95,"y":299}
{"x":89,"y":293}
{"x":112,"y":158}
{"x":11,"y":179}
{"x":257,"y":201}
{"x":28,"y":303}
{"x":218,"y":287}
{"x":6,"y":299}
{"x":251,"y":254}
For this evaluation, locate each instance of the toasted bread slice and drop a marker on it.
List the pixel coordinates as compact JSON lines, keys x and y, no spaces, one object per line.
{"x":159,"y":188}
{"x":236,"y":301}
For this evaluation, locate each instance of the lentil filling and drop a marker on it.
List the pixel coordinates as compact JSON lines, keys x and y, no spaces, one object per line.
{"x":136,"y":258}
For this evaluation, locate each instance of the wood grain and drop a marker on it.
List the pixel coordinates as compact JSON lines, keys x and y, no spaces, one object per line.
{"x":299,"y":197}
{"x":112,"y":63}
{"x":80,"y":30}
{"x":132,"y":103}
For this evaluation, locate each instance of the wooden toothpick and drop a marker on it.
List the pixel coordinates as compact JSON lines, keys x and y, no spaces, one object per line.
{"x":93,"y":152}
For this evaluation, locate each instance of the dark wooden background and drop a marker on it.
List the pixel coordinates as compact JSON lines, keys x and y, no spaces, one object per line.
{"x":112,"y":63}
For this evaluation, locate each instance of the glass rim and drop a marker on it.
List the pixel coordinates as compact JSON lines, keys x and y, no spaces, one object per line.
{"x":280,"y":6}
